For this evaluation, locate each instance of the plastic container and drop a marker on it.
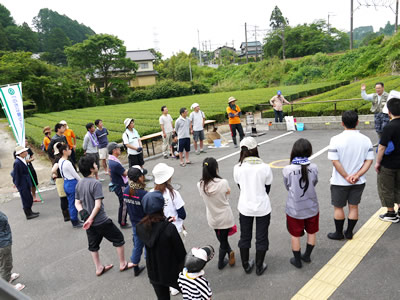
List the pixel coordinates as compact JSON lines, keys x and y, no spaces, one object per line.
{"x":300,"y":126}
{"x":217,"y":143}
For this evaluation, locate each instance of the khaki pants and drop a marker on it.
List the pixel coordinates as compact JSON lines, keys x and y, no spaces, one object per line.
{"x":167,"y":142}
{"x":6,"y":263}
{"x":389,"y":186}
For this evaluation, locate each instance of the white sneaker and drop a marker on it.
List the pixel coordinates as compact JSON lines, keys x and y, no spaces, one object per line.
{"x":101,"y":179}
{"x":173,"y":291}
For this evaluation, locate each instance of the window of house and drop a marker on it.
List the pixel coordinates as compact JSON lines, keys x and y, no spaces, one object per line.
{"x":143,"y":65}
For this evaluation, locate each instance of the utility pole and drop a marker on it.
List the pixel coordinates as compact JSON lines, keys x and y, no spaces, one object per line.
{"x":397,"y":16}
{"x":190,"y":70}
{"x":255,"y":37}
{"x":351,"y":24}
{"x":330,"y":14}
{"x":245,"y":35}
{"x":198,"y":37}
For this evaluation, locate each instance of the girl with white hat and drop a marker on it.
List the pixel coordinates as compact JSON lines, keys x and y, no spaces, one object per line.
{"x":254,"y":178}
{"x":174,"y":206}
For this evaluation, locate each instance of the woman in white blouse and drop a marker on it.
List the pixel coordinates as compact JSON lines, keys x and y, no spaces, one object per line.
{"x":71,"y":178}
{"x":254,"y":178}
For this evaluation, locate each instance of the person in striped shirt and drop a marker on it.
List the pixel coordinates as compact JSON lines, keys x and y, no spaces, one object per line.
{"x":191,"y":280}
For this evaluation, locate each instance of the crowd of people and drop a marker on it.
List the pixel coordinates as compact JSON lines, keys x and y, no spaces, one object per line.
{"x":157,"y":216}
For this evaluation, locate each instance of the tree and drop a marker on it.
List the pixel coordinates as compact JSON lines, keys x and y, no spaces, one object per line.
{"x":278,"y":23}
{"x":56,"y":41}
{"x":306,"y":39}
{"x":5,"y":17}
{"x":387,"y":30}
{"x":158,"y":56}
{"x":102,"y":56}
{"x":22,"y":38}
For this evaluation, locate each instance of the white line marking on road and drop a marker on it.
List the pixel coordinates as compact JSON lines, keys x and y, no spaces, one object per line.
{"x":262,"y":143}
{"x":318,"y":153}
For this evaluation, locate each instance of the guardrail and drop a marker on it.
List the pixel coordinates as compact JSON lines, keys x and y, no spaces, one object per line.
{"x":334,"y":102}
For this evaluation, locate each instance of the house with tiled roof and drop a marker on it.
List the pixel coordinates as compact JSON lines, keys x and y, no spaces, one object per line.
{"x":145,"y":74}
{"x":253,"y":49}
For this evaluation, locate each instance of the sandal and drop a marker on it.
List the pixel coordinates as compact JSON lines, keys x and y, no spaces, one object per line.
{"x":13,"y":277}
{"x":36,"y":200}
{"x":127,"y":267}
{"x":105,"y":269}
{"x":19,"y":286}
{"x":182,"y":164}
{"x":189,"y":162}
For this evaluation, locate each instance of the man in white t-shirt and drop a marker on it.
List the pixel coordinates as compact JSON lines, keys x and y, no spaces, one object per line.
{"x":197,"y":119}
{"x":351,"y":154}
{"x":167,"y":128}
{"x":131,"y":140}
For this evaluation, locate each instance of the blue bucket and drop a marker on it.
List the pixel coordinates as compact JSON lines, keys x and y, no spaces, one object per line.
{"x":217,"y":143}
{"x":300,"y":126}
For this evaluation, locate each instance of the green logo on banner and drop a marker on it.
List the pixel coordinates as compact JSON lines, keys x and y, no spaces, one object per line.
{"x":11,"y":91}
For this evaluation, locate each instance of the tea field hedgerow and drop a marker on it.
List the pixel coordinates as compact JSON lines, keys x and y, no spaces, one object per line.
{"x":345,"y":92}
{"x":146,"y":113}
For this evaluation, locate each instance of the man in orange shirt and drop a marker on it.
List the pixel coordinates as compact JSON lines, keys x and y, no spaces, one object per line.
{"x":234,"y":114}
{"x":71,"y":139}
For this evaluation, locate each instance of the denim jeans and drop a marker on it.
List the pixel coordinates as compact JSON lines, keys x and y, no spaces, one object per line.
{"x":138,"y":246}
{"x":278,"y":114}
{"x":69,"y":188}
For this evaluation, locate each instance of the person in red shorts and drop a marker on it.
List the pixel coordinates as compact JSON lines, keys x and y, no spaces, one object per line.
{"x":302,"y":210}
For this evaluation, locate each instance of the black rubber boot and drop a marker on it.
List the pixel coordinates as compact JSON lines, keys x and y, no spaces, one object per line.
{"x":137,"y":270}
{"x":260,"y":265}
{"x":247,"y":265}
{"x":306,"y":257}
{"x":338,"y":234}
{"x":66,"y":215}
{"x":222,"y":260}
{"x":34,"y":213}
{"x":296,"y":260}
{"x":350,"y":226}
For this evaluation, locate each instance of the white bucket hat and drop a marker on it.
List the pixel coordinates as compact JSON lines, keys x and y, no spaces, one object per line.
{"x":162,"y":172}
{"x":20,"y":149}
{"x":249,"y":142}
{"x":194,"y":105}
{"x":392,"y":94}
{"x":128,"y":121}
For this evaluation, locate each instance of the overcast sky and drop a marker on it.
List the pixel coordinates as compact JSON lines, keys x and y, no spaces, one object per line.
{"x":171,"y":25}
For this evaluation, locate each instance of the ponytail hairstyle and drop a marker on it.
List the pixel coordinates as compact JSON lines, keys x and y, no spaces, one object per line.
{"x":302,"y":148}
{"x":210,"y":172}
{"x":61,"y":148}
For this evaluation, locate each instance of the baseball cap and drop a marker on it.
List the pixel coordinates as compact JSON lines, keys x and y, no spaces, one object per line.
{"x":113,"y":145}
{"x":194,"y":105}
{"x":279,"y":92}
{"x":153,"y":202}
{"x":249,"y":142}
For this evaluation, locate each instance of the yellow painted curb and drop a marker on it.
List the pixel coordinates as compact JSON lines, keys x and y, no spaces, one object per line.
{"x":332,"y":275}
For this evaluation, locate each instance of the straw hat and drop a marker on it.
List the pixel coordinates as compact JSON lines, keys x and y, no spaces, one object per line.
{"x":231,"y":99}
{"x":46,"y":129}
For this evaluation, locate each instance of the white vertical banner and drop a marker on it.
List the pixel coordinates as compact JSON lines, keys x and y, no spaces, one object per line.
{"x":12,"y":104}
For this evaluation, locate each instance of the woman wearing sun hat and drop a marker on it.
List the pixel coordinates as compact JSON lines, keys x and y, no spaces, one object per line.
{"x":22,"y":181}
{"x":254,"y":178}
{"x":234,"y":114}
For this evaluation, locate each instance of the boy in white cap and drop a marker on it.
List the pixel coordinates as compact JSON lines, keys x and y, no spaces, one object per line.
{"x":191,"y":280}
{"x":131,"y":140}
{"x":197,"y":119}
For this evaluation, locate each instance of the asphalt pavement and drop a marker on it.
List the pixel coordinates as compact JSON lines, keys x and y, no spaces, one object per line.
{"x":54,"y":262}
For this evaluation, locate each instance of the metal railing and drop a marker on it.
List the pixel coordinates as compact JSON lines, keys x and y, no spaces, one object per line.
{"x":334,"y":102}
